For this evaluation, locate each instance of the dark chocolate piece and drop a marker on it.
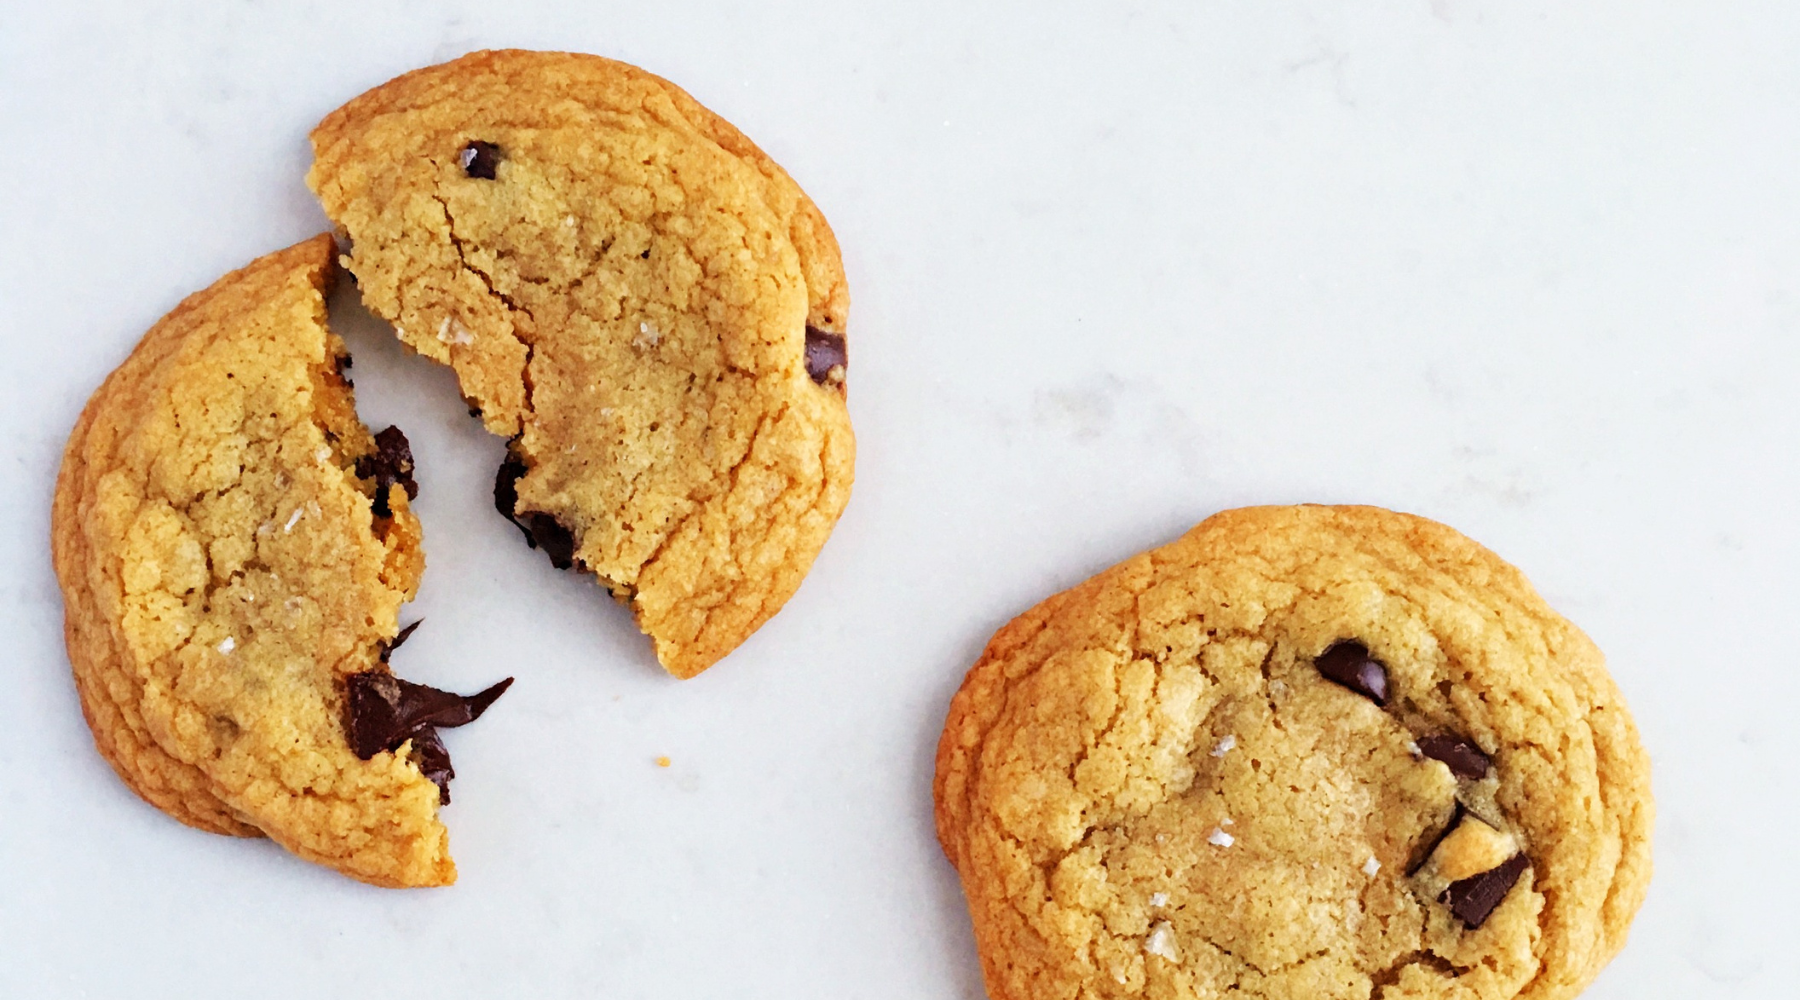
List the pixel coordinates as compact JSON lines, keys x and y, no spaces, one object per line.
{"x":1472,"y":899}
{"x":388,"y":647}
{"x":433,"y":761}
{"x":384,"y":711}
{"x":1349,"y":663}
{"x":551,"y":535}
{"x":824,"y":353}
{"x":480,"y":159}
{"x":542,"y":531}
{"x":392,"y":463}
{"x":1464,"y":758}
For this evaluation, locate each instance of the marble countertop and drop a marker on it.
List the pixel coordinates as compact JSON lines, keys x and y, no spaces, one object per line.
{"x":1532,"y":269}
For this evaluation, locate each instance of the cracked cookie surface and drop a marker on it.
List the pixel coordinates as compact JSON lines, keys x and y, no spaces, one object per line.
{"x":1299,"y":752}
{"x":223,"y":572}
{"x":637,"y":297}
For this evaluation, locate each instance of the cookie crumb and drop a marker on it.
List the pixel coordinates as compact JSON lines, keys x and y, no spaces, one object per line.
{"x":1219,"y":838}
{"x":1161,"y":942}
{"x":1224,"y":746}
{"x":228,"y":645}
{"x":1159,"y":899}
{"x":662,"y":762}
{"x":1371,"y":866}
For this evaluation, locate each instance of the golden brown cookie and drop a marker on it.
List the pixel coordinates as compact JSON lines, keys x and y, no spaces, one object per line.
{"x":637,"y":297}
{"x":1299,"y":752}
{"x":233,"y":547}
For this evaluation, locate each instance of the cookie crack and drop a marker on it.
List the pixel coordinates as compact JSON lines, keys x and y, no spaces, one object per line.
{"x":511,"y":305}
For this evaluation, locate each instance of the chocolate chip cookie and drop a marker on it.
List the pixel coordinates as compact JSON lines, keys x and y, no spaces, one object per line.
{"x":234,"y":548}
{"x":1299,"y":752}
{"x":638,"y":298}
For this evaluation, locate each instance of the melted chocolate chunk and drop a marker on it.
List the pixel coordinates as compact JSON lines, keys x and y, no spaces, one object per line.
{"x":826,"y":353}
{"x":551,"y":535}
{"x":433,"y":761}
{"x":384,"y":712}
{"x":1472,"y":899}
{"x":388,"y":647}
{"x":542,"y":531}
{"x":1464,"y":758}
{"x":392,"y":463}
{"x":1349,"y":663}
{"x":480,"y":159}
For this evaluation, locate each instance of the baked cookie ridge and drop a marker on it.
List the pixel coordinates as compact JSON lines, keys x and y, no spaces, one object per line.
{"x":1299,"y":751}
{"x":638,"y":298}
{"x":234,"y":547}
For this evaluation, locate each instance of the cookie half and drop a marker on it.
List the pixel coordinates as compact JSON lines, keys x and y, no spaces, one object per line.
{"x":637,"y":297}
{"x":233,"y":547}
{"x":1300,"y":751}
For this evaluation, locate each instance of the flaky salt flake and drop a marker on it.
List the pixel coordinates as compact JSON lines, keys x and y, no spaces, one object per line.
{"x":1371,"y":866}
{"x":1161,"y":942}
{"x":1219,"y":838}
{"x":647,"y":336}
{"x":228,"y":645}
{"x":292,"y":520}
{"x":1412,"y":747}
{"x":1159,"y":899}
{"x":323,"y":454}
{"x":1224,"y":746}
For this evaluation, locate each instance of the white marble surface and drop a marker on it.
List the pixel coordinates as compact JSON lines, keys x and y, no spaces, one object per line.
{"x":1531,"y":268}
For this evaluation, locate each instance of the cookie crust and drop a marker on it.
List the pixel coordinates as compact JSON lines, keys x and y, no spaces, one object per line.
{"x":623,"y":284}
{"x":222,"y":572}
{"x":1148,"y":788}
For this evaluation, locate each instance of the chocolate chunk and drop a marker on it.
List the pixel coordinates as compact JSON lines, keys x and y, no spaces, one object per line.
{"x":551,"y":535}
{"x":506,"y":490}
{"x":433,"y":761}
{"x":1465,"y":759}
{"x":1472,"y":899}
{"x":827,"y":357}
{"x":542,"y":531}
{"x":480,"y":159}
{"x":1349,"y":663}
{"x":392,"y":463}
{"x":384,"y":712}
{"x":388,"y":647}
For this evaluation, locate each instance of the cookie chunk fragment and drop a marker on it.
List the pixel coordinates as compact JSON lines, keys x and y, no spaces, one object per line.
{"x":1300,"y":751}
{"x":232,"y":546}
{"x":638,"y":298}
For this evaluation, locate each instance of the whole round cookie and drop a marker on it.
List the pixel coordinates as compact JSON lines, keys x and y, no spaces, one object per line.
{"x":637,"y":297}
{"x":1299,"y":752}
{"x":233,"y":547}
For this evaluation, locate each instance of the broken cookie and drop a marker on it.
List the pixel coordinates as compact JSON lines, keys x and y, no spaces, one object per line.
{"x":233,"y":548}
{"x":638,"y":298}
